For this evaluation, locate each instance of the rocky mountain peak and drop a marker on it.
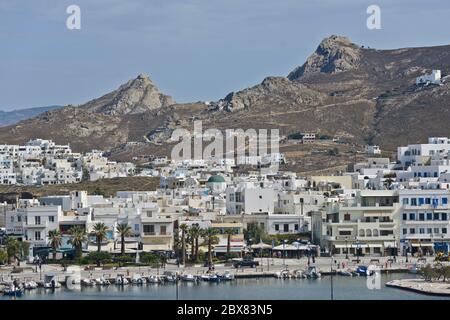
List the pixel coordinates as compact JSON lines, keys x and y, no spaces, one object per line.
{"x":334,"y":54}
{"x":136,"y":96}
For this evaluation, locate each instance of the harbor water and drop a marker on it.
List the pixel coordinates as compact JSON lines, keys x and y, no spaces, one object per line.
{"x":344,"y":288}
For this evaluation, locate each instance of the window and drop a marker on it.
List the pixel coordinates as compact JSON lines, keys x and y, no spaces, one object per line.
{"x":405,"y":231}
{"x":412,"y":231}
{"x":412,"y":216}
{"x":51,"y":218}
{"x":421,"y":201}
{"x":413,"y":201}
{"x":37,"y":235}
{"x":19,"y":218}
{"x":435,"y":216}
{"x":421,"y":216}
{"x":444,"y":200}
{"x":427,"y":200}
{"x":347,"y":217}
{"x":163,"y":230}
{"x":422,"y":230}
{"x":286,"y":227}
{"x":436,"y":230}
{"x":296,"y":227}
{"x":429,"y":230}
{"x":277,"y":227}
{"x":429,"y":216}
{"x":149,"y":229}
{"x":37,"y":220}
{"x":444,"y":216}
{"x":12,"y":218}
{"x":405,"y":200}
{"x":444,"y":230}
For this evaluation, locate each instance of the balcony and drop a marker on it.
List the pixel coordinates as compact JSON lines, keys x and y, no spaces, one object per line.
{"x":42,"y":225}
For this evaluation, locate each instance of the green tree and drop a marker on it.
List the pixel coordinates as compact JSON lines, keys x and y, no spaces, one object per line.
{"x":194,"y":235}
{"x":184,"y":229}
{"x":124,"y":230}
{"x":13,"y":249}
{"x":55,"y":239}
{"x":3,"y":256}
{"x":229,"y":233}
{"x":78,"y":237}
{"x":255,"y":232}
{"x":100,"y":230}
{"x":99,"y":257}
{"x":210,"y":236}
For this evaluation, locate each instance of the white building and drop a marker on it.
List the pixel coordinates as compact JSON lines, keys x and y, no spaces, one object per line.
{"x":434,"y":77}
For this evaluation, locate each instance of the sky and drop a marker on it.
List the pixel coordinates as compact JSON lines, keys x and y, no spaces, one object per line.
{"x":193,"y":50}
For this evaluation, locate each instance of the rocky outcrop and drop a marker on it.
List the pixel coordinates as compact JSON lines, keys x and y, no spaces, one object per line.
{"x":277,"y":90}
{"x":334,"y":54}
{"x":136,"y":96}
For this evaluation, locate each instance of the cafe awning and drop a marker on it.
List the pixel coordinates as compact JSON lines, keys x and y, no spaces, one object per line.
{"x":427,"y":244}
{"x":261,"y":245}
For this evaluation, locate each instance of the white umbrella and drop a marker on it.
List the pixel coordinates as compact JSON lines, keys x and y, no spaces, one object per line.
{"x":261,"y":245}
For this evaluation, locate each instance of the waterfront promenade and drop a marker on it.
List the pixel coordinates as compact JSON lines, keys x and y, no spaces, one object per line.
{"x":267,"y":268}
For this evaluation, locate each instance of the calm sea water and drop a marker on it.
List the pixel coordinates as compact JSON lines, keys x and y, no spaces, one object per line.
{"x":345,"y":288}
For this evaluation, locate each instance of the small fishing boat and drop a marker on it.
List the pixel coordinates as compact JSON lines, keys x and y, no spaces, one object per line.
{"x":188,"y":277}
{"x":154,"y":279}
{"x":88,"y":282}
{"x":137,"y":279}
{"x":363,"y":271}
{"x":226,"y":276}
{"x":210,"y":277}
{"x":13,"y":291}
{"x":170,"y":276}
{"x":29,"y":285}
{"x":312,"y":273}
{"x":345,"y":273}
{"x":121,"y":280}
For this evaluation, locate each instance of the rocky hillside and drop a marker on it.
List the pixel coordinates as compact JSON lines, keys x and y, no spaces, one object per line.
{"x":14,"y":116}
{"x":359,"y":94}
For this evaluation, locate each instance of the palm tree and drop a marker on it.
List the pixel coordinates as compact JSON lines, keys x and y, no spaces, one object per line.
{"x":100,"y":230}
{"x":78,"y":236}
{"x":229,"y":233}
{"x":194,"y":234}
{"x":184,"y":229}
{"x":124,"y":230}
{"x":209,"y":235}
{"x":55,"y":240}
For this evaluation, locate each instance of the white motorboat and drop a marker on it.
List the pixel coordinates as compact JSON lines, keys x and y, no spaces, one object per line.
{"x":137,"y":279}
{"x":227,"y":276}
{"x":312,"y":273}
{"x":345,"y":273}
{"x":29,"y":285}
{"x":154,"y":279}
{"x":188,"y":277}
{"x":88,"y":282}
{"x":120,"y":280}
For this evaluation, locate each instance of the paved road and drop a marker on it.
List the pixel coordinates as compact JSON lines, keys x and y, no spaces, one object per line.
{"x":323,"y":264}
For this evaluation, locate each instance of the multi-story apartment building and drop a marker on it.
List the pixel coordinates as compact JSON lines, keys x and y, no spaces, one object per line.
{"x":425,"y":220}
{"x":368,"y":225}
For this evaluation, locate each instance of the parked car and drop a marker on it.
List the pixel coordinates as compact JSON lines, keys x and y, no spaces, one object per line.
{"x":246,"y":263}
